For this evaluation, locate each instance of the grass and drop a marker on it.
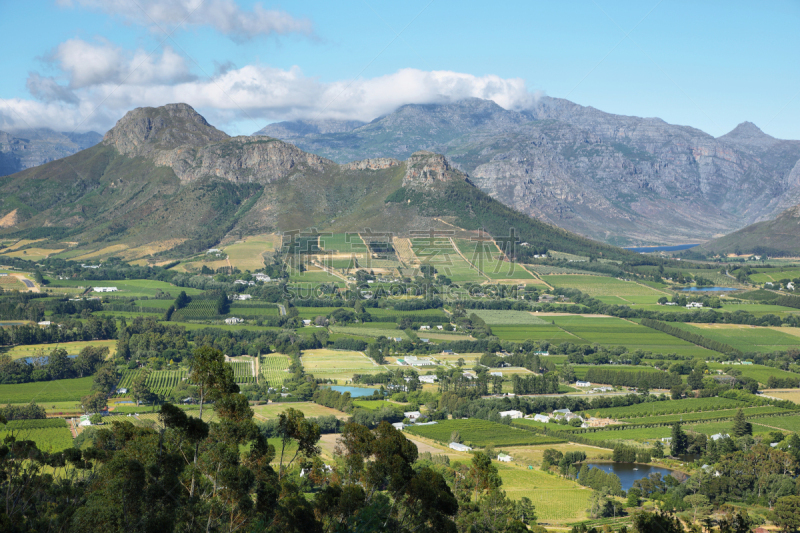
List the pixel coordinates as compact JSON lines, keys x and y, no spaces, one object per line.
{"x":476,"y":432}
{"x":633,"y":435}
{"x":486,"y":256}
{"x":550,"y":333}
{"x":793,"y":395}
{"x":371,"y":332}
{"x":309,"y":409}
{"x":509,"y":318}
{"x":703,"y":415}
{"x":248,"y":254}
{"x":712,"y":428}
{"x":61,"y":390}
{"x":72,"y":348}
{"x":374,"y":405}
{"x":343,"y":243}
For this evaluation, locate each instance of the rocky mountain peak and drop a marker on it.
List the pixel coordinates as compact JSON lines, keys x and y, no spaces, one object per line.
{"x":426,"y":170}
{"x":147,"y":129}
{"x":750,"y":134}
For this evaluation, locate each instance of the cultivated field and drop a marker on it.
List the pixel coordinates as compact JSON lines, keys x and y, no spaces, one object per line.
{"x":309,"y":409}
{"x":669,"y":407}
{"x":786,"y":423}
{"x":158,"y":381}
{"x":371,"y":331}
{"x":609,"y":290}
{"x":128,"y":288}
{"x":476,"y":432}
{"x":743,"y":337}
{"x":555,"y":498}
{"x":72,"y":348}
{"x":273,"y":368}
{"x":759,"y":373}
{"x":509,"y":318}
{"x":61,"y":390}
{"x":51,"y":435}
{"x":337,"y":364}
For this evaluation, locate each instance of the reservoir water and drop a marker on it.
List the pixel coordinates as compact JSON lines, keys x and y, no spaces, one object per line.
{"x":675,"y":248}
{"x":355,"y":392}
{"x":629,"y":472}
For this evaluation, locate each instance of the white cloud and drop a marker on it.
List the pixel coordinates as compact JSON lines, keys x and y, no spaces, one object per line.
{"x":103,"y":82}
{"x":89,"y":64}
{"x":223,"y":15}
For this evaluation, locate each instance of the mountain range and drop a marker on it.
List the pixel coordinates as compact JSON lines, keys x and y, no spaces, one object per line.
{"x":24,"y":149}
{"x":165,"y":181}
{"x":623,"y":180}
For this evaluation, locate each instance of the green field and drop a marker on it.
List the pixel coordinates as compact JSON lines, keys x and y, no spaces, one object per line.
{"x":509,"y":318}
{"x":669,"y":407}
{"x":744,"y":338}
{"x":273,"y":369}
{"x":763,"y":275}
{"x":309,"y":409}
{"x":128,"y":288}
{"x":726,"y":426}
{"x":581,"y":371}
{"x":759,"y":373}
{"x":609,"y":290}
{"x":486,"y":256}
{"x":549,"y":333}
{"x":476,"y":432}
{"x":703,"y":415}
{"x":159,"y":381}
{"x":72,"y":348}
{"x":339,"y":365}
{"x":374,"y":405}
{"x":441,"y":254}
{"x":787,"y":423}
{"x":242,"y":371}
{"x":371,"y":331}
{"x":633,"y":435}
{"x":51,"y":435}
{"x":60,"y":390}
{"x":343,"y":243}
{"x":555,"y":498}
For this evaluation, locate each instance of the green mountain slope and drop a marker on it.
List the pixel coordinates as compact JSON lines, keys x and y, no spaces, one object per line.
{"x":778,"y":237}
{"x":166,"y":181}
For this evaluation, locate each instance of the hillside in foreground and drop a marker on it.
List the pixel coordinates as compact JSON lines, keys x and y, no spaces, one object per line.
{"x":778,"y":237}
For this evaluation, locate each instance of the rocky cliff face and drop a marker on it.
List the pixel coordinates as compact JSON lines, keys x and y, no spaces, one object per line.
{"x":625,"y":180}
{"x":30,"y":148}
{"x":426,"y":170}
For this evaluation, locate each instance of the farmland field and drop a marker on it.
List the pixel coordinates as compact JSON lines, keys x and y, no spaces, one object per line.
{"x":743,"y":337}
{"x":612,"y":331}
{"x":793,"y":395}
{"x":343,"y":243}
{"x":128,"y":288}
{"x":337,"y":364}
{"x":582,"y":370}
{"x":555,"y":498}
{"x":50,"y":435}
{"x":763,"y":275}
{"x":242,"y":371}
{"x":668,"y":407}
{"x":759,"y":373}
{"x":787,"y":423}
{"x":440,"y":253}
{"x":609,"y":290}
{"x":548,"y":332}
{"x":72,"y":348}
{"x":485,"y":255}
{"x":633,"y":434}
{"x":159,"y":381}
{"x":703,"y":415}
{"x":273,"y":369}
{"x":309,"y":409}
{"x":370,"y":331}
{"x":725,"y":426}
{"x":509,"y":318}
{"x":480,"y":433}
{"x":61,"y":390}
{"x":249,"y":253}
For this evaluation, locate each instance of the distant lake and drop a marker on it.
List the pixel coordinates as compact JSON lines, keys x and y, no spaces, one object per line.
{"x":44,"y":358}
{"x":355,"y":392}
{"x":710,"y":289}
{"x":676,"y":248}
{"x":630,"y":472}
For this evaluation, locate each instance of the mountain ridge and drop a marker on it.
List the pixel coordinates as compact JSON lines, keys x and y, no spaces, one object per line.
{"x":164,"y":181}
{"x":27,"y":148}
{"x":625,"y":180}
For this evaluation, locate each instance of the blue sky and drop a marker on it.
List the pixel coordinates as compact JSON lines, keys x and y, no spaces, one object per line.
{"x":80,"y":64}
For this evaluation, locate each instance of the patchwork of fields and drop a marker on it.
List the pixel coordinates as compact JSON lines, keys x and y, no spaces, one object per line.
{"x":743,"y":337}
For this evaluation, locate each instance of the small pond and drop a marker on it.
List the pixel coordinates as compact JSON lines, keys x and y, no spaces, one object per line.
{"x":355,"y":392}
{"x":44,"y":359}
{"x":630,"y":472}
{"x":710,"y":289}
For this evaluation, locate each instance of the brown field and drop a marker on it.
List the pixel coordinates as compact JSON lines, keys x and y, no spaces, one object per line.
{"x":793,"y":395}
{"x":311,"y":410}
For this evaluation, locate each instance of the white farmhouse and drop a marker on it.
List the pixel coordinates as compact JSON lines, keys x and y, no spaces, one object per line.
{"x":105,"y":289}
{"x":233,"y":320}
{"x":511,"y":414}
{"x":412,"y":415}
{"x":460,"y":447}
{"x":541,"y":418}
{"x":503,"y":458}
{"x":583,"y":384}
